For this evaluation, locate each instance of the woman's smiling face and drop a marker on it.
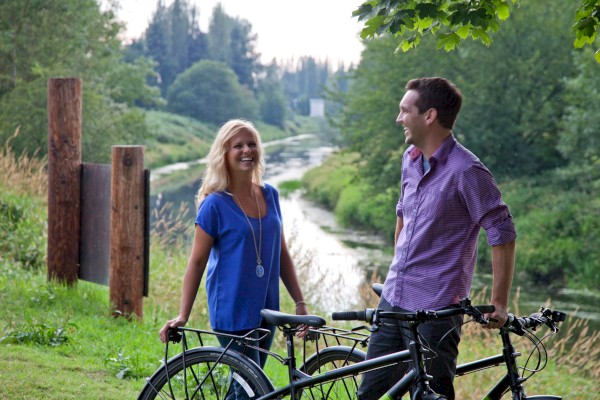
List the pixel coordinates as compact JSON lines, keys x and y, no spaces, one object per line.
{"x":243,"y":154}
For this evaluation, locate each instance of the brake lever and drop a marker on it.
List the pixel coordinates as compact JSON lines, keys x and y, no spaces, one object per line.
{"x":478,"y":315}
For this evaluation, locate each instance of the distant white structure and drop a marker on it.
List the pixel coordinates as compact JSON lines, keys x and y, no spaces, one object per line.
{"x":317,"y":107}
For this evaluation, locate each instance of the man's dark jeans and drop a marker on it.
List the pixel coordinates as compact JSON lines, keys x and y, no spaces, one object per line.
{"x":394,"y":336}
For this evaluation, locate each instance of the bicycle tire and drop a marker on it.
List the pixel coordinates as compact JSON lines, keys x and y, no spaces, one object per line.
{"x":326,"y":360}
{"x":193,"y":382}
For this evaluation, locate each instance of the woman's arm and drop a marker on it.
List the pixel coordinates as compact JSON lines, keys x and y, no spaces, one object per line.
{"x":290,"y":278}
{"x":191,"y":280}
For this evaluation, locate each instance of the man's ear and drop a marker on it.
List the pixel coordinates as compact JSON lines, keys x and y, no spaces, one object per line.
{"x":430,"y":115}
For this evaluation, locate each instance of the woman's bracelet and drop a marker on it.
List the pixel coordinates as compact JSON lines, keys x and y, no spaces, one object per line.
{"x":300,"y":302}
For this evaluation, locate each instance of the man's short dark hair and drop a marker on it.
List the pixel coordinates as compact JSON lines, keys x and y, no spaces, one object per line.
{"x":438,"y":93}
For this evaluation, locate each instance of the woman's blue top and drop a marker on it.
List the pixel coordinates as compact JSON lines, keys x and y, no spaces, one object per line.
{"x":236,"y":294}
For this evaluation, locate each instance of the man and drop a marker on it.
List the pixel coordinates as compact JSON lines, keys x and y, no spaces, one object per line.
{"x":447,"y":196}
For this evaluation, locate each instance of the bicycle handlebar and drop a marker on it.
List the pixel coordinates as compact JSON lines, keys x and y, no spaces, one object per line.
{"x":372,"y":315}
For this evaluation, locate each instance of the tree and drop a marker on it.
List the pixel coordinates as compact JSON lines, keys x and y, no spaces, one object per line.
{"x":514,"y":91}
{"x":452,"y":21}
{"x":580,"y":136}
{"x":173,"y":40}
{"x":209,"y":91}
{"x":231,"y":41}
{"x":244,"y":58}
{"x":366,"y":120}
{"x":514,"y":96}
{"x":271,"y":98}
{"x":53,"y":38}
{"x":305,"y":80}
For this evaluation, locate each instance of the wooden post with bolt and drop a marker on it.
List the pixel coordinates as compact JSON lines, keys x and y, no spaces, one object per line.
{"x":64,"y":178}
{"x":127,"y":221}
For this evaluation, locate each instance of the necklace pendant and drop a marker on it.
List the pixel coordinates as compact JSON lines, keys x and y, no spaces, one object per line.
{"x":260,"y":271}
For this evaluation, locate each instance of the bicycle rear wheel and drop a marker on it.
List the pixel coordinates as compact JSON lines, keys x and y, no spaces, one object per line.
{"x":205,"y":376}
{"x":329,"y":359}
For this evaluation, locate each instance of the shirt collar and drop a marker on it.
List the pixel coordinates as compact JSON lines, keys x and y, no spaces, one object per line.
{"x":440,"y":155}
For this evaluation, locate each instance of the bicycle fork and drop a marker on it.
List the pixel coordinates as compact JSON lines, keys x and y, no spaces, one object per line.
{"x":510,"y":355}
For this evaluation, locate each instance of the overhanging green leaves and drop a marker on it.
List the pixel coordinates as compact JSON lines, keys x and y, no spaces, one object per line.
{"x":452,"y":21}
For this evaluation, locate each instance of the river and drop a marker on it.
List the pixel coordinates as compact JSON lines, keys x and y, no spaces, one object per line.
{"x":335,"y":262}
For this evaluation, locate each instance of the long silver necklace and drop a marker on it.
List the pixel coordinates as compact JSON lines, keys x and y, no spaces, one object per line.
{"x":260,"y":270}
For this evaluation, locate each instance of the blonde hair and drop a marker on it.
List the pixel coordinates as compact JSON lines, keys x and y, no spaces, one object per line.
{"x":216,"y":177}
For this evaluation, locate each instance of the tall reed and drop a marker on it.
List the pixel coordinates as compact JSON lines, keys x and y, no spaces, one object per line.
{"x":23,"y":174}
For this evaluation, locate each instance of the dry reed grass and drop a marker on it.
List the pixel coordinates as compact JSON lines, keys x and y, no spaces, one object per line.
{"x":23,"y":174}
{"x":578,"y":349}
{"x":170,"y":226}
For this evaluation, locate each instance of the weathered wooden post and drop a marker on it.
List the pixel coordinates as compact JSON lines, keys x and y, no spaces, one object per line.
{"x":127,"y":227}
{"x":64,"y":178}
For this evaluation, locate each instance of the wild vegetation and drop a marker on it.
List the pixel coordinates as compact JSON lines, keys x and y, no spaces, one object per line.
{"x":529,"y":113}
{"x":65,"y":340}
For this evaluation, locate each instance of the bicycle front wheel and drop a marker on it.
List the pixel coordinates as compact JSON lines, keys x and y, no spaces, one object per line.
{"x":328,"y":359}
{"x":207,"y":373}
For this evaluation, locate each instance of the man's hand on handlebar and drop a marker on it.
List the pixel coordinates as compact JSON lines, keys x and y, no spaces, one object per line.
{"x":498,"y":318}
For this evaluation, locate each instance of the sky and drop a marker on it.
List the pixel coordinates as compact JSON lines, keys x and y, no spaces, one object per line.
{"x":285,"y":29}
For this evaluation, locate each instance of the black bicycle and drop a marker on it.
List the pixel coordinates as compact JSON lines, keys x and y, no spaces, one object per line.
{"x":207,"y":372}
{"x":515,"y":376}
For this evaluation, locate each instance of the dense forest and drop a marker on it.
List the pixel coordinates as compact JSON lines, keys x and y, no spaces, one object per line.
{"x":174,"y":67}
{"x":530,"y":111}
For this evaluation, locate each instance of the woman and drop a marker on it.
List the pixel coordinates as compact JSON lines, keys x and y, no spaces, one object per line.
{"x":239,"y":234}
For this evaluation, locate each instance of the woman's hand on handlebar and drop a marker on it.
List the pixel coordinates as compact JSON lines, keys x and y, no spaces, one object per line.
{"x":498,"y":318}
{"x":173,"y":323}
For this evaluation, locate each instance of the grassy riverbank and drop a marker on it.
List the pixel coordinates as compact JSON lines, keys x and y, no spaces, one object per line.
{"x":175,"y":138}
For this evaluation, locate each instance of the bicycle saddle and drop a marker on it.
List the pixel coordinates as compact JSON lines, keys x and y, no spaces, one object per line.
{"x":377,"y":288}
{"x":280,"y":319}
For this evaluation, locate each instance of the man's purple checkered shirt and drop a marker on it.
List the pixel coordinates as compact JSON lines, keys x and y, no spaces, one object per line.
{"x":443,"y":211}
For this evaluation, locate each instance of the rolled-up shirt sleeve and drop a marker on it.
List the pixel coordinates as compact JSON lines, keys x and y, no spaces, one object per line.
{"x":483,"y":199}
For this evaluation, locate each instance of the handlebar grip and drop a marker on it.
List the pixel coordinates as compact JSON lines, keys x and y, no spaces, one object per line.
{"x":363,"y":315}
{"x":486,"y":309}
{"x":349,"y":316}
{"x":450,"y":312}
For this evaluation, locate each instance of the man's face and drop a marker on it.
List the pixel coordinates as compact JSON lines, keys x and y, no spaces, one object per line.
{"x":410,"y":118}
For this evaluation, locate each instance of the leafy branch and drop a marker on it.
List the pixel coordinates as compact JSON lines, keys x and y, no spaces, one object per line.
{"x":452,"y":21}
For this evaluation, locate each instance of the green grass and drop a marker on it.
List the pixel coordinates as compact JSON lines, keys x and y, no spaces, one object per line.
{"x":36,"y":373}
{"x":175,"y":138}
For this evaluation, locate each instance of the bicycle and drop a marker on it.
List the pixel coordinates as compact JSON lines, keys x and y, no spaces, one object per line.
{"x":512,"y":381}
{"x":210,"y":372}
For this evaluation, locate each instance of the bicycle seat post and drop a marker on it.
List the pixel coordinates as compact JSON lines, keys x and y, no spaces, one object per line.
{"x":291,"y":359}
